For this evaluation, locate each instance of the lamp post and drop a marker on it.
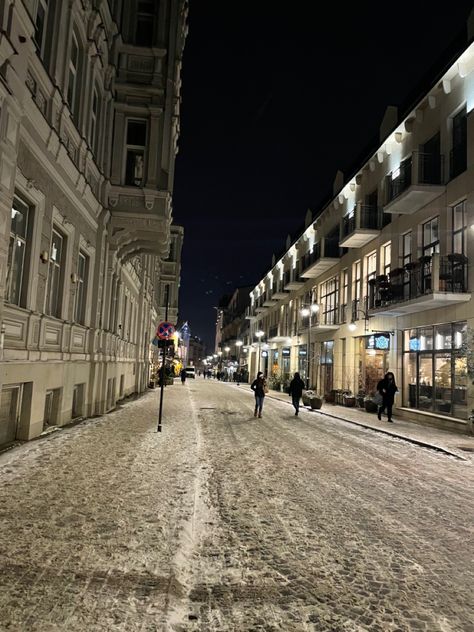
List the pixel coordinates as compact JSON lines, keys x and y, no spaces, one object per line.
{"x":238,"y":344}
{"x":259,"y":335}
{"x":307,"y":312}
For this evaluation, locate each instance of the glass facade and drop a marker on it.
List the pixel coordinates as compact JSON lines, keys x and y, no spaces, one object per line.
{"x":435,"y":369}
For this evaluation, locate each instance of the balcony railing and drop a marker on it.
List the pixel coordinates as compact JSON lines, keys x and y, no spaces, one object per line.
{"x":419,"y":169}
{"x":362,"y":217}
{"x":430,"y":274}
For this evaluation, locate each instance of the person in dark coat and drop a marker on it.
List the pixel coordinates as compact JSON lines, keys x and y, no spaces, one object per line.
{"x":296,"y":391}
{"x":258,"y":386}
{"x":183,"y":376}
{"x":387,"y":388}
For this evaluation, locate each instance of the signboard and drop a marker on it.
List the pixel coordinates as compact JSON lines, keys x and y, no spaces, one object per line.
{"x":165,"y":331}
{"x":286,"y":352}
{"x":380,"y":342}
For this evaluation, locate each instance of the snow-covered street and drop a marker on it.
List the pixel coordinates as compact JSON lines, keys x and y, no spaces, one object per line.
{"x":224,"y":522}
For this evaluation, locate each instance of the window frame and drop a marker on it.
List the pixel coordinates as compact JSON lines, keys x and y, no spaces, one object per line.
{"x":54,"y":296}
{"x":131,"y":147}
{"x":80,"y":302}
{"x":21,"y":299}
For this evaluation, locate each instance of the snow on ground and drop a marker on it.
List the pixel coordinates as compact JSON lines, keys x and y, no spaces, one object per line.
{"x":227,"y":523}
{"x":97,"y":521}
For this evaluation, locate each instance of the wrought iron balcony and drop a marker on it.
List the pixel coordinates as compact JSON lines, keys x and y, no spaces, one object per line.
{"x":432,"y":281}
{"x":416,"y":182}
{"x":360,"y":226}
{"x":279,"y":291}
{"x":325,"y":253}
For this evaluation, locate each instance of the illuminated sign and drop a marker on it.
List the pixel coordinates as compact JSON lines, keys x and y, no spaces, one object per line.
{"x":380,"y":342}
{"x":414,"y":344}
{"x":286,"y":352}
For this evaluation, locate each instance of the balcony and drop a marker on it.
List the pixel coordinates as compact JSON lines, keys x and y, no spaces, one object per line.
{"x":360,"y":226}
{"x":431,"y":282}
{"x":274,"y":334}
{"x":250,"y":314}
{"x":292,"y":280}
{"x":279,"y":292}
{"x":268,"y":300}
{"x":417,"y":182}
{"x":324,"y":255}
{"x":326,"y":319}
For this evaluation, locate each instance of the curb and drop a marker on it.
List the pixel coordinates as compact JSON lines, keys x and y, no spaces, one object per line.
{"x":419,"y":442}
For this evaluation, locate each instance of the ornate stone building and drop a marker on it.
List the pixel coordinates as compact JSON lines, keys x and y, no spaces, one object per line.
{"x":89,"y":124}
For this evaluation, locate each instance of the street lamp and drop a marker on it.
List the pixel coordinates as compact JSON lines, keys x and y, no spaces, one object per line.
{"x":307,"y":311}
{"x":259,"y":335}
{"x":238,"y":344}
{"x":352,"y":325}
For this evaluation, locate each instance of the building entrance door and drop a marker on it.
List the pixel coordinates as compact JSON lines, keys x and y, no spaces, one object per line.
{"x":9,"y":413}
{"x":373,"y":364}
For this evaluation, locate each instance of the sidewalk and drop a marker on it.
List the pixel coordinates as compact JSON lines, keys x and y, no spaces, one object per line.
{"x":458,"y":445}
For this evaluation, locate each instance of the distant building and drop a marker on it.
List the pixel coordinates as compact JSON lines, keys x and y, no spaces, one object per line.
{"x":231,"y":323}
{"x":170,"y":277}
{"x":89,"y":125}
{"x":197,"y":352}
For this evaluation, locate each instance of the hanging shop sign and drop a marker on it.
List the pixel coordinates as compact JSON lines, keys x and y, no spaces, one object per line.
{"x":379,"y":342}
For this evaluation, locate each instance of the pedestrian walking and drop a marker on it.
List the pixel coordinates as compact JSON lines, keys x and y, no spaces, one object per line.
{"x":296,"y":391}
{"x":259,"y":387}
{"x":387,"y":388}
{"x":183,"y":376}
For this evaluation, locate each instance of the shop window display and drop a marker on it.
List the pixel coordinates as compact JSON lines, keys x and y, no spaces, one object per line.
{"x":435,"y":369}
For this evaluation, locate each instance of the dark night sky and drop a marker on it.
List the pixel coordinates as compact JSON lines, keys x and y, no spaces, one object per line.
{"x":273,"y":104}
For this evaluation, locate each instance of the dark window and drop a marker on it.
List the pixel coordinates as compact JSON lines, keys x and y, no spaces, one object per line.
{"x":40,"y":25}
{"x":458,"y":157}
{"x":17,"y":253}
{"x":135,"y":153}
{"x":459,"y":228}
{"x":81,"y":287}
{"x":145,"y":23}
{"x":55,"y":274}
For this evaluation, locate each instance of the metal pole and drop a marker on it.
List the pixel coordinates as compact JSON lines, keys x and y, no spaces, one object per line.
{"x":259,"y":354}
{"x":162,"y":388}
{"x":308,"y":362}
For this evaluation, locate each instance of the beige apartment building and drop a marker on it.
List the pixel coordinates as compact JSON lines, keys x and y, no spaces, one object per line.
{"x":382,"y":277}
{"x":89,"y":124}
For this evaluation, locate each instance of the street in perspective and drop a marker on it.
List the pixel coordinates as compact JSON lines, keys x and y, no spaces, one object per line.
{"x":226,"y":522}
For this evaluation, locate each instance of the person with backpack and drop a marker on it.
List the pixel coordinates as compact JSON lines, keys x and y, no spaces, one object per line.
{"x":259,"y":387}
{"x":296,"y":391}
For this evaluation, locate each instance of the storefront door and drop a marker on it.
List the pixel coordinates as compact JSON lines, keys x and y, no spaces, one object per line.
{"x":9,"y":411}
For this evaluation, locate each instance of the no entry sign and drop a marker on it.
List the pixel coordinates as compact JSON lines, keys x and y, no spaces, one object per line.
{"x":165,"y":331}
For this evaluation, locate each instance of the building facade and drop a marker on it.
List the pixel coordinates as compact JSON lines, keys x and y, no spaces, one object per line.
{"x":89,"y":123}
{"x":381,"y":278}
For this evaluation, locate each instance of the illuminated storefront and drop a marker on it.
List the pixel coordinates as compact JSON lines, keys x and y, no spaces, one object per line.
{"x":435,"y":369}
{"x":372,"y":360}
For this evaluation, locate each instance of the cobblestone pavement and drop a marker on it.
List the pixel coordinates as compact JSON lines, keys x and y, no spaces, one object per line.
{"x":227,"y":523}
{"x":318,"y":525}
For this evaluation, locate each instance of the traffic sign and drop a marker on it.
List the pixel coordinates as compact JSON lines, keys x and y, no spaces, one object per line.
{"x":165,"y":330}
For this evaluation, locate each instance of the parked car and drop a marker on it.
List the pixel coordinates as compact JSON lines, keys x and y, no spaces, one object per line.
{"x":190,"y":371}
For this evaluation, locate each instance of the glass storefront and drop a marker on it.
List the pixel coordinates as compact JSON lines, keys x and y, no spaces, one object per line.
{"x":302,"y":361}
{"x":435,"y":369}
{"x":326,"y":364}
{"x":372,"y":361}
{"x":285,"y":363}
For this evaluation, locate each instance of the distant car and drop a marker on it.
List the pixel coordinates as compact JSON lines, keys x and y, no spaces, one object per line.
{"x":190,"y":371}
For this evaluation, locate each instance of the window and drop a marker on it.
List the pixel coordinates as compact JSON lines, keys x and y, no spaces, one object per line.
{"x":17,"y":261}
{"x":81,"y":288}
{"x":40,"y":26}
{"x":356,"y":277}
{"x":386,"y":258}
{"x":458,"y":157}
{"x":344,"y":294}
{"x":135,"y":152}
{"x":145,"y":23}
{"x":406,"y":248}
{"x":431,"y":237}
{"x":55,"y":274}
{"x":435,"y":369}
{"x":73,"y":73}
{"x":94,"y":121}
{"x":371,"y":268}
{"x":329,"y":296}
{"x":459,"y":228}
